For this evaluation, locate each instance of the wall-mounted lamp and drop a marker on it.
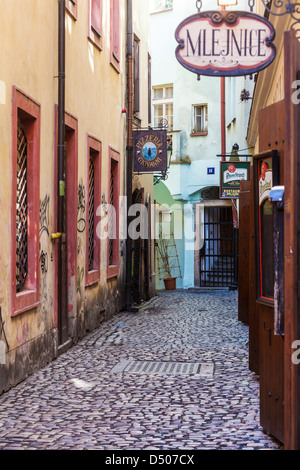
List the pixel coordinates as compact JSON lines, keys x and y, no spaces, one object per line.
{"x":245,"y":95}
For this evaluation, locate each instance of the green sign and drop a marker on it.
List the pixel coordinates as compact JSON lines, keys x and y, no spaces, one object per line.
{"x":231,"y":175}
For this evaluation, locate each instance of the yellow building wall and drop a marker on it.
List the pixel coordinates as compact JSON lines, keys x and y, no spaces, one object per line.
{"x":28,"y":31}
{"x":95,"y":96}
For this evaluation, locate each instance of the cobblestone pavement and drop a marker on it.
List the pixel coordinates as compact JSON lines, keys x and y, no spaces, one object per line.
{"x":89,"y":399}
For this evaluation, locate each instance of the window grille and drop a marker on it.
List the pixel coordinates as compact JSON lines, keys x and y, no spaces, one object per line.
{"x":111,"y":217}
{"x":91,"y":214}
{"x":21,"y":211}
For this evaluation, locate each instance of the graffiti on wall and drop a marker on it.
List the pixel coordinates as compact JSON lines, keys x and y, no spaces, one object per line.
{"x":81,"y":223}
{"x":44,"y":215}
{"x":80,"y":276}
{"x":2,"y":330}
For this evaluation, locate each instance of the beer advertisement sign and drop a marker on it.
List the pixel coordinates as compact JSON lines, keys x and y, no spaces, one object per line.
{"x":232,"y":173}
{"x":225,"y":43}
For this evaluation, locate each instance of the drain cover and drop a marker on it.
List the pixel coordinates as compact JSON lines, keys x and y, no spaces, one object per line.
{"x":165,"y":368}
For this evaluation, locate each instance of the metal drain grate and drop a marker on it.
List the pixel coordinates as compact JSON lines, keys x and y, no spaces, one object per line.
{"x":165,"y":368}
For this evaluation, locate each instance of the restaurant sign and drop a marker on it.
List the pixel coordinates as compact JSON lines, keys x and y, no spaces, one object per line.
{"x":150,"y":151}
{"x":232,"y":173}
{"x":225,"y":43}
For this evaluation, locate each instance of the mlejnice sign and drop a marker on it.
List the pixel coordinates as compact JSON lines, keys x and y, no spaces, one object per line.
{"x":225,"y":43}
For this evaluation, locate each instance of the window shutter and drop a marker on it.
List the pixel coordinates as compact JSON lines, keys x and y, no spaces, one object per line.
{"x":96,"y":16}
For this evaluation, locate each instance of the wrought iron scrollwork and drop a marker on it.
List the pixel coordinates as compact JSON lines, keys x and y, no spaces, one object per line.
{"x":291,"y":8}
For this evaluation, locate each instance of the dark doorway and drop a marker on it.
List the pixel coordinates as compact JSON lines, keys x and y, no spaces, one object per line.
{"x":217,"y":254}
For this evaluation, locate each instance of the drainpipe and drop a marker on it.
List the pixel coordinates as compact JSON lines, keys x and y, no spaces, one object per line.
{"x":129,"y":149}
{"x":223,"y":113}
{"x":223,"y":120}
{"x":61,"y":114}
{"x":60,"y":166}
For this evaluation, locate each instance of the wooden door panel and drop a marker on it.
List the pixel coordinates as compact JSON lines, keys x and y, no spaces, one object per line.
{"x":291,"y":240}
{"x":244,"y":214}
{"x":271,"y":347}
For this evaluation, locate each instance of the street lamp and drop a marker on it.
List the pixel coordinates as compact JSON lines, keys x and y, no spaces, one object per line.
{"x":225,"y":3}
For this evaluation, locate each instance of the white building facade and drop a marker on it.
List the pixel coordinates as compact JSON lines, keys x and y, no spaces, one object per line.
{"x":191,"y":107}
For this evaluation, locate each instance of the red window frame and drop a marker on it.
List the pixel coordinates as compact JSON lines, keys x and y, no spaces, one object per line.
{"x":29,"y":112}
{"x":114,"y":163}
{"x":94,"y":147}
{"x":71,"y":7}
{"x":95,"y":23}
{"x":115,"y":47}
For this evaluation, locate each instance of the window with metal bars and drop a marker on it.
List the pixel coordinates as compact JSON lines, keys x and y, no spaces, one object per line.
{"x":21,"y":211}
{"x":113,"y":216}
{"x":91,"y":214}
{"x":93,"y":191}
{"x":25,"y":203}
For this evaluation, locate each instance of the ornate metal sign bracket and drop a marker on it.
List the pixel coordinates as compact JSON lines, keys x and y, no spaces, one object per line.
{"x":291,"y":8}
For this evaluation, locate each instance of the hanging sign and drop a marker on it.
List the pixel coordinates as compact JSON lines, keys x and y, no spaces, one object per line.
{"x":150,"y":151}
{"x":225,"y":43}
{"x":232,"y":173}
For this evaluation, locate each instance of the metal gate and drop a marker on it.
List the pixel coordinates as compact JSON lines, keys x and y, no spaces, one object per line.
{"x":217,"y":256}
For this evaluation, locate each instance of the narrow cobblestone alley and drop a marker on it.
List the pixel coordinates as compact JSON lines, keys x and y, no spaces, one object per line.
{"x":112,"y":392}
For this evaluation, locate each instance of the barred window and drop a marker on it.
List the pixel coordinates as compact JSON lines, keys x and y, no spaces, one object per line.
{"x":25,"y":203}
{"x":113,"y":216}
{"x":21,"y":211}
{"x":93,"y":190}
{"x":91,"y":215}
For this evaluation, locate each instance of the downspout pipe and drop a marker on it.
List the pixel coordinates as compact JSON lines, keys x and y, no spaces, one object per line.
{"x":129,"y":151}
{"x":223,"y":113}
{"x":61,"y":115}
{"x":60,"y":163}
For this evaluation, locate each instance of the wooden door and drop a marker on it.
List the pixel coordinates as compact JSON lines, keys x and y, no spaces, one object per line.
{"x":292,"y":242}
{"x":253,"y":311}
{"x":243,"y":263}
{"x":271,"y":347}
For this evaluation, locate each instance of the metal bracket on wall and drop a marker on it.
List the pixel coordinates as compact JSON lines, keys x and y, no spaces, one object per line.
{"x":292,"y":9}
